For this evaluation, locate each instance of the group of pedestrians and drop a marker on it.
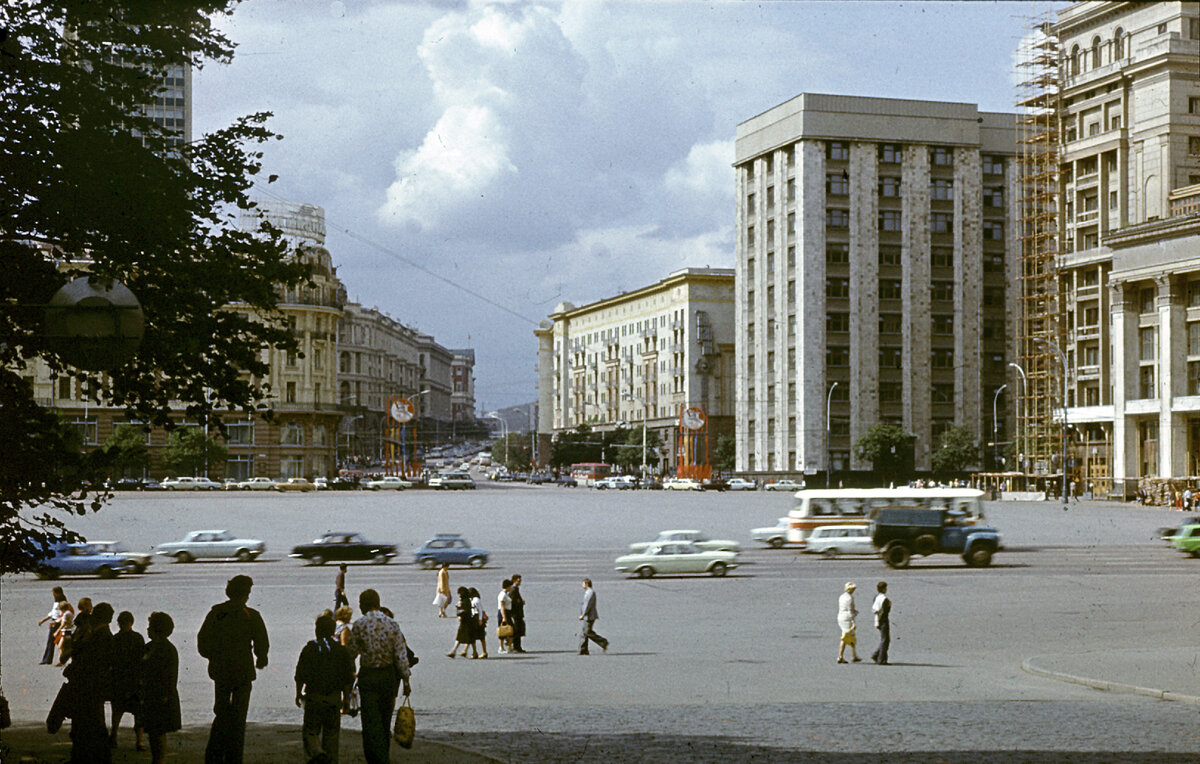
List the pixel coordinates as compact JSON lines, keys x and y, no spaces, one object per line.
{"x":471,"y":635}
{"x":847,"y":613}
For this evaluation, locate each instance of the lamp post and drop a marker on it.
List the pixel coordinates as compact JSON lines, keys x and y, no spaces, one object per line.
{"x":1020,"y":419}
{"x":504,"y":433}
{"x":1062,"y":359}
{"x":995,"y":443}
{"x":828,"y":434}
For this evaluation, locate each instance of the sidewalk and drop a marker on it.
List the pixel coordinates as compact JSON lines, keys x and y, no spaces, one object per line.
{"x":1166,"y":673}
{"x":29,"y":743}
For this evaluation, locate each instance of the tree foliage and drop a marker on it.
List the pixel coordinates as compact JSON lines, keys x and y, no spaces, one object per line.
{"x":126,"y":448}
{"x":191,"y":451}
{"x":88,"y":181}
{"x":583,"y":444}
{"x":956,"y":449}
{"x":725,"y":454}
{"x":514,"y":451}
{"x":629,"y":452}
{"x":888,"y":448}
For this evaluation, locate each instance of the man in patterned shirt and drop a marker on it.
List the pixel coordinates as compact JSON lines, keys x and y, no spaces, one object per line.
{"x":383,"y":665}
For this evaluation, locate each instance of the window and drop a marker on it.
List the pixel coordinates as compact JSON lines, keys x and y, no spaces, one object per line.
{"x":838,"y":151}
{"x":1193,"y":378}
{"x":837,"y":288}
{"x":889,"y":153}
{"x":892,"y":392}
{"x":290,"y":396}
{"x":770,"y":197}
{"x":889,"y":254}
{"x":1146,"y":388}
{"x":837,"y":253}
{"x":1193,"y":334}
{"x":943,"y":393}
{"x":993,"y":263}
{"x":889,"y":289}
{"x":942,"y":290}
{"x":837,"y":355}
{"x":942,"y":324}
{"x":889,"y":358}
{"x":1146,"y":300}
{"x":837,"y":185}
{"x":750,"y":206}
{"x":993,"y":196}
{"x":791,"y":223}
{"x":891,"y":323}
{"x":835,"y":218}
{"x":993,"y":230}
{"x":1091,"y":316}
{"x":291,"y":466}
{"x":750,"y":236}
{"x":1091,"y":354}
{"x":993,"y":297}
{"x":837,"y":322}
{"x":1115,"y":122}
{"x":291,"y":435}
{"x":941,"y":156}
{"x":64,"y":387}
{"x":1194,"y":144}
{"x":87,"y":429}
{"x":943,"y":358}
{"x":1146,"y":344}
{"x":889,"y":187}
{"x":941,"y":222}
{"x":791,"y":189}
{"x":889,"y":220}
{"x":1119,"y":44}
{"x":319,"y":435}
{"x":1194,"y":105}
{"x":941,"y":257}
{"x":941,"y":189}
{"x":240,"y":434}
{"x":993,"y":165}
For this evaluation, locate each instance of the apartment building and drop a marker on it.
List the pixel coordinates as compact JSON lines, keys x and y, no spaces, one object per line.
{"x":644,"y":356}
{"x":875,"y":257}
{"x":1129,"y":247}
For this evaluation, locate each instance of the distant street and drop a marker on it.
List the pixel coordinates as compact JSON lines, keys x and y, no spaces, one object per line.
{"x":748,"y":659}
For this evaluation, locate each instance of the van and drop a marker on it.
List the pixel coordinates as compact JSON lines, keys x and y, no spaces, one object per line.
{"x":832,"y":540}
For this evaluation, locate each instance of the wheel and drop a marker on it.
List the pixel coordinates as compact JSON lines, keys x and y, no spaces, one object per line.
{"x":925,"y":544}
{"x":317,"y":559}
{"x":830,"y":553}
{"x":896,"y":555}
{"x":979,"y":557}
{"x":244,"y":555}
{"x":718,"y":569}
{"x":105,"y":571}
{"x":428,"y":563}
{"x":183,"y":557}
{"x":645,"y":572}
{"x":477,"y":562}
{"x":775,"y":543}
{"x":48,"y":573}
{"x":381,"y":559}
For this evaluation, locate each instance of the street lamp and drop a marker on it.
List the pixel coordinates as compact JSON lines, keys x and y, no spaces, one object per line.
{"x":828,"y":434}
{"x":630,"y":396}
{"x":504,"y":433}
{"x":1062,"y":359}
{"x":1020,"y":420}
{"x":995,"y":443}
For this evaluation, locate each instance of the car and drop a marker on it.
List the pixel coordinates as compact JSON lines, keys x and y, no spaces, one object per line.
{"x":389,"y":483}
{"x":150,"y":484}
{"x":675,"y":558}
{"x":451,"y":481}
{"x":82,"y":559}
{"x":139,"y":560}
{"x":450,"y":548}
{"x":742,"y":484}
{"x":784,"y":485}
{"x":321,"y":483}
{"x":257,"y":484}
{"x":682,"y":484}
{"x":342,"y":546}
{"x":714,"y":484}
{"x":832,"y":540}
{"x":127,"y":484}
{"x":219,"y":544}
{"x":537,"y":478}
{"x":698,"y":538}
{"x":1187,"y":539}
{"x":190,"y":484}
{"x":343,"y":484}
{"x":232,"y":484}
{"x":774,"y":536}
{"x":617,"y":483}
{"x":650,"y":484}
{"x":295,"y":484}
{"x":901,"y":533}
{"x":567,"y":481}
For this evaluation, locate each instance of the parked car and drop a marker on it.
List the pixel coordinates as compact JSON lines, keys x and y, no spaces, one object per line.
{"x":537,"y":478}
{"x":340,"y":546}
{"x":901,"y":533}
{"x":343,"y":484}
{"x":127,"y":484}
{"x":232,"y":484}
{"x":190,"y":484}
{"x":783,"y":485}
{"x":679,"y":557}
{"x":1187,"y":539}
{"x":450,"y":548}
{"x":321,"y":483}
{"x":257,"y":484}
{"x":742,"y":484}
{"x":82,"y":559}
{"x":567,"y":481}
{"x":774,"y":536}
{"x":150,"y":484}
{"x":295,"y":484}
{"x":714,"y":484}
{"x":139,"y":560}
{"x":452,"y":481}
{"x":699,"y":538}
{"x":616,"y":483}
{"x":212,"y":545}
{"x":832,"y":540}
{"x":650,"y":483}
{"x":389,"y":483}
{"x":682,"y":484}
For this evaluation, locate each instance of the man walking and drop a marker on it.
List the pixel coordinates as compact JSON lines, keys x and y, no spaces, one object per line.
{"x":339,"y":588}
{"x":516,"y":613}
{"x":233,"y":639}
{"x":589,"y":616}
{"x":882,"y":608}
{"x":324,"y":676}
{"x":383,"y":663}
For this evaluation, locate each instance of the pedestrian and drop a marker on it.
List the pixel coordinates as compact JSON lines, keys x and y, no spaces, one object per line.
{"x":90,"y":677}
{"x":341,"y":630}
{"x":481,"y":620}
{"x":324,"y":676}
{"x":65,"y":634}
{"x":339,"y":588}
{"x":233,"y":638}
{"x":83,"y":614}
{"x":54,"y":618}
{"x":1187,"y":498}
{"x":128,"y":647}
{"x":517,"y":613}
{"x":846,"y":615}
{"x":383,"y":664}
{"x":882,"y":608}
{"x":503,"y":605}
{"x":465,"y":636}
{"x":442,"y":598}
{"x":160,"y":711}
{"x":589,"y":615}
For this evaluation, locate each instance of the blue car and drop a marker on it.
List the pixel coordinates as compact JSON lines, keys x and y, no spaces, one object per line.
{"x":84,"y":559}
{"x":450,"y":548}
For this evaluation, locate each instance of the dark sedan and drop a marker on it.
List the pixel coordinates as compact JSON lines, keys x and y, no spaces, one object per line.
{"x":344,"y":547}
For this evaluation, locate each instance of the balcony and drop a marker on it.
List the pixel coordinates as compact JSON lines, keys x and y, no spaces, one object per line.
{"x":1086,"y":181}
{"x":1087,"y":216}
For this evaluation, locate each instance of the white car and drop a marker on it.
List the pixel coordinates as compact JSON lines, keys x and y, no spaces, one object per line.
{"x":682,"y":484}
{"x":617,"y":482}
{"x":450,"y":481}
{"x":774,"y":536}
{"x":212,"y":544}
{"x":741,"y":484}
{"x":784,"y":485}
{"x":389,"y":483}
{"x":696,"y":538}
{"x":676,"y":558}
{"x":190,"y":484}
{"x":832,"y":540}
{"x":257,"y":484}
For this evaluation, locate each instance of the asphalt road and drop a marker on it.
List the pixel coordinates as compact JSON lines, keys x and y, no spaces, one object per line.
{"x":738,"y":667}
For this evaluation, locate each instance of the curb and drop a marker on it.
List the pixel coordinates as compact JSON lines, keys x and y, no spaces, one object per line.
{"x":1103,"y":684}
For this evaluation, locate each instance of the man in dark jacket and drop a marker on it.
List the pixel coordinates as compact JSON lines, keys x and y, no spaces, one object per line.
{"x":324,"y":676}
{"x":90,"y":677}
{"x":516,"y":613}
{"x":234,"y":640}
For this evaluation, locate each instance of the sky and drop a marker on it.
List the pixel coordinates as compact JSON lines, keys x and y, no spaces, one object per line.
{"x":481,"y":162}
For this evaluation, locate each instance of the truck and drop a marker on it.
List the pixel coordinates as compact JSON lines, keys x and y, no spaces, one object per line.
{"x":901,"y":533}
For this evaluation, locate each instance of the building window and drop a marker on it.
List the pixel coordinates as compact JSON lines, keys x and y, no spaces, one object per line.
{"x":942,"y":290}
{"x":770,"y":231}
{"x":889,"y":254}
{"x":1194,"y":144}
{"x":750,"y":206}
{"x":837,"y":322}
{"x":993,"y":297}
{"x":889,"y":187}
{"x":891,"y":323}
{"x":943,"y":358}
{"x":941,"y":222}
{"x":290,"y":394}
{"x":837,"y":355}
{"x":835,"y":218}
{"x":1193,"y":334}
{"x":64,"y":387}
{"x":941,"y":156}
{"x":837,"y":185}
{"x":889,"y":358}
{"x":1193,"y":378}
{"x":942,"y":324}
{"x":941,"y":257}
{"x":1146,"y":300}
{"x":941,"y":189}
{"x":1091,"y":354}
{"x":993,"y":196}
{"x":770,"y":197}
{"x":791,"y":189}
{"x":318,"y":435}
{"x":993,"y":230}
{"x":749,"y":236}
{"x":837,"y":287}
{"x":837,"y":253}
{"x":791,"y":224}
{"x":1146,"y":387}
{"x":838,"y":151}
{"x":892,"y":392}
{"x":1147,"y":347}
{"x":993,"y":263}
{"x":291,"y":466}
{"x":1194,"y":105}
{"x":1118,"y":44}
{"x":943,"y":393}
{"x":890,"y":289}
{"x":889,"y":220}
{"x":291,"y":435}
{"x":240,"y":434}
{"x":889,"y":153}
{"x":993,"y":165}
{"x":87,"y":429}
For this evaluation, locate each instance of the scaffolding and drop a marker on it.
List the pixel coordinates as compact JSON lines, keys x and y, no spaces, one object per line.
{"x":1042,"y":309}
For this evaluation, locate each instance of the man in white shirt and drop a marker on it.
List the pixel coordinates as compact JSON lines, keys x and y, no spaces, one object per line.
{"x":504,"y":613}
{"x":383,"y":664}
{"x":882,"y":608}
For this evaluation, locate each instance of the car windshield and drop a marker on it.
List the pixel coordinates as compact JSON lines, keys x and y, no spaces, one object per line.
{"x":224,"y":536}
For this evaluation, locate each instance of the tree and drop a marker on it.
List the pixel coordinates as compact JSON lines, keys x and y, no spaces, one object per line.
{"x":513,"y":450}
{"x":956,"y":449}
{"x":190,"y":451}
{"x":629,"y":452}
{"x":90,"y":183}
{"x":127,"y":450}
{"x":889,"y":450}
{"x":725,"y":454}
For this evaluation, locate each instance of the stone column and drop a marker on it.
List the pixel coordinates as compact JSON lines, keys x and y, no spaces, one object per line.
{"x":968,"y":289}
{"x":810,"y":303}
{"x":1172,"y":373}
{"x":1123,"y":323}
{"x":915,"y":238}
{"x":864,"y":293}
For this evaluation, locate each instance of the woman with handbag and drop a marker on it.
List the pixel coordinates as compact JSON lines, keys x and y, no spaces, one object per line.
{"x":504,"y":627}
{"x":465,"y":637}
{"x":481,"y":619}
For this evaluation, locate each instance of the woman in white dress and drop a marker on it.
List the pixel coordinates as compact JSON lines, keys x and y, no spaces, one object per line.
{"x":846,"y":614}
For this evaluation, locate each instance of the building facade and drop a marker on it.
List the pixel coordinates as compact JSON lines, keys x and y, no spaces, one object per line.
{"x":874,"y":261}
{"x":1128,"y":263}
{"x":642,"y":357}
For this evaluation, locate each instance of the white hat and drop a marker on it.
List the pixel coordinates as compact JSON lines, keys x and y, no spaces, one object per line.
{"x":851,"y":586}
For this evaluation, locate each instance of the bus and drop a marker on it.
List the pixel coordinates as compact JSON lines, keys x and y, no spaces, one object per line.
{"x":816,"y":508}
{"x":587,"y":473}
